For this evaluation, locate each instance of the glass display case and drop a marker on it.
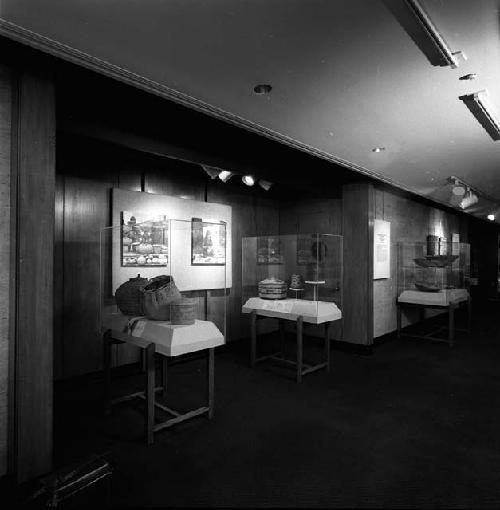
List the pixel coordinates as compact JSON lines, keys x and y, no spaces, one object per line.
{"x":164,"y":273}
{"x":434,"y":272}
{"x":297,"y":275}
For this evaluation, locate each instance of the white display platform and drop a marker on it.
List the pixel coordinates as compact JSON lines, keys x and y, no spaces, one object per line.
{"x":315,"y":312}
{"x":442,"y":298}
{"x":169,"y":340}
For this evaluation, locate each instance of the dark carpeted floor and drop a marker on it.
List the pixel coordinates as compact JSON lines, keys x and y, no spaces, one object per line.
{"x":416,"y":424}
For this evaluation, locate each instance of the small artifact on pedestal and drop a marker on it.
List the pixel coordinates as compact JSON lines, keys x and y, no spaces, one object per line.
{"x":272,"y":288}
{"x":296,"y":284}
{"x":183,"y":312}
{"x":129,"y":297}
{"x":157,"y":297}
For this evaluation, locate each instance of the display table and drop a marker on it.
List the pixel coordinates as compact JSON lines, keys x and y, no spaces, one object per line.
{"x":165,"y":339}
{"x":298,"y":311}
{"x":445,"y":299}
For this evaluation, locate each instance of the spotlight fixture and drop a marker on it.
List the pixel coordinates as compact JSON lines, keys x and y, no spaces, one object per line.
{"x":470,"y":198}
{"x":479,"y":107}
{"x":248,"y":180}
{"x":265,"y":184}
{"x":458,"y":188}
{"x":225,"y":175}
{"x":211,"y":171}
{"x":436,"y":48}
{"x":262,"y":88}
{"x":491,"y":217}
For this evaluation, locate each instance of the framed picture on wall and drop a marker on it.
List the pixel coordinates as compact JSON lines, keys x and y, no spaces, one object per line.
{"x":208,"y":243}
{"x":269,"y":250}
{"x":143,"y":243}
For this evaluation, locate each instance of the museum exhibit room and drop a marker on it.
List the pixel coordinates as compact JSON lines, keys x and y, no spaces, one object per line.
{"x":250,"y":253}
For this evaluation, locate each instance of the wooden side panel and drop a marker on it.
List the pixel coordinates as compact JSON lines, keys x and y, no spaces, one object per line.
{"x":35,"y":255}
{"x":357,"y":217}
{"x":59,"y":279}
{"x":86,"y":211}
{"x":5,"y":253}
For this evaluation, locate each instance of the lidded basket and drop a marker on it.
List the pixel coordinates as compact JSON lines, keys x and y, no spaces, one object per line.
{"x":129,"y":297}
{"x":272,"y":288}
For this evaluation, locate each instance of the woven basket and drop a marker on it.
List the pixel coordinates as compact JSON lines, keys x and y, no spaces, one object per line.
{"x":272,"y":288}
{"x":183,"y":312}
{"x":129,"y":297}
{"x":157,"y":296}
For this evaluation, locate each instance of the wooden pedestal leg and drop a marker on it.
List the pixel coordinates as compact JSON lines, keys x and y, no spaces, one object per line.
{"x":451,"y":324}
{"x":106,"y":346}
{"x":164,"y":375}
{"x":253,"y":338}
{"x":398,"y":306}
{"x":282,"y":336}
{"x":327,"y":345}
{"x":150,"y":392}
{"x":299,"y":349}
{"x":211,"y":381}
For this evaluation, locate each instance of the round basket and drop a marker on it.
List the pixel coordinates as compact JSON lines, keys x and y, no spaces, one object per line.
{"x":129,"y":298}
{"x":183,"y":312}
{"x":272,"y":288}
{"x":157,"y":296}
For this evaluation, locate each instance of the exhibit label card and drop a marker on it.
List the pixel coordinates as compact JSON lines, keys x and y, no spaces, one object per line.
{"x":381,"y":249}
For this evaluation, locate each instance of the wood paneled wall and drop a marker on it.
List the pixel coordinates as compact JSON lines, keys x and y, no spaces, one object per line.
{"x":5,"y":256}
{"x":33,"y":170}
{"x":87,"y":171}
{"x":411,"y":221}
{"x":357,"y":221}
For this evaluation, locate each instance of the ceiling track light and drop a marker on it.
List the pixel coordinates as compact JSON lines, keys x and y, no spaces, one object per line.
{"x":478,"y":106}
{"x":458,"y":188}
{"x":212,"y":172}
{"x":266,"y":185}
{"x":441,"y":52}
{"x":225,"y":175}
{"x":248,"y":180}
{"x":470,"y":198}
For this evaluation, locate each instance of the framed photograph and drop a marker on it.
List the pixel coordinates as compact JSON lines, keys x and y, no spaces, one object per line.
{"x":143,"y":243}
{"x":310,"y":250}
{"x":208,"y":243}
{"x":269,"y":250}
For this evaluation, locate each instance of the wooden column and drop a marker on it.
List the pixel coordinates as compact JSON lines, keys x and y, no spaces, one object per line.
{"x":357,"y":229}
{"x":33,"y":170}
{"x":5,"y":257}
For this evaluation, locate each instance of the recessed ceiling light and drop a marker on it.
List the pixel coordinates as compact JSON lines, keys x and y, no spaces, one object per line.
{"x":248,"y":180}
{"x":491,"y":217}
{"x":262,"y":88}
{"x":378,"y":149}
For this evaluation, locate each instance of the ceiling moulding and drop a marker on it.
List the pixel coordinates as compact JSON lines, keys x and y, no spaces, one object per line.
{"x":479,"y":107}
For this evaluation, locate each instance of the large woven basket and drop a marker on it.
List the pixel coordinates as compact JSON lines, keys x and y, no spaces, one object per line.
{"x":157,"y":296}
{"x":272,"y":288}
{"x":183,"y":312}
{"x":129,"y":297}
